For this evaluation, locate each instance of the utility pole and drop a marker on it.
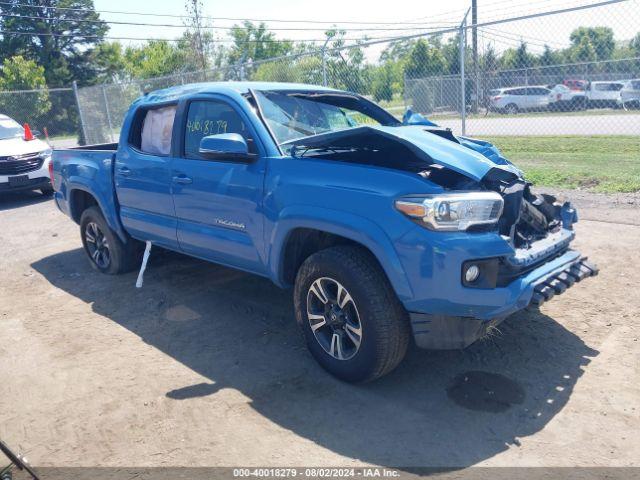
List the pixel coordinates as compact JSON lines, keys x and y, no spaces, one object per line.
{"x":463,"y":93}
{"x":474,"y":41}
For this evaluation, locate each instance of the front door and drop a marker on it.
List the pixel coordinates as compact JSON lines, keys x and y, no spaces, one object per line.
{"x":218,"y":201}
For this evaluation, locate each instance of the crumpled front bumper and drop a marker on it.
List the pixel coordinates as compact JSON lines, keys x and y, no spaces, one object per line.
{"x":559,"y":281}
{"x":444,"y":332}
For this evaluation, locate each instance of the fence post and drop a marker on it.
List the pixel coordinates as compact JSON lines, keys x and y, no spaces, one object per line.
{"x":106,"y":107}
{"x":82,"y":125}
{"x":463,"y":95}
{"x":324,"y":62}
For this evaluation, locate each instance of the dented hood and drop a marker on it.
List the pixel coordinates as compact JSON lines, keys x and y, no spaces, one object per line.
{"x":469,"y":157}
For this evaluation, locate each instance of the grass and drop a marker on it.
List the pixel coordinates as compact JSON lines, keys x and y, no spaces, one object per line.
{"x":599,"y":163}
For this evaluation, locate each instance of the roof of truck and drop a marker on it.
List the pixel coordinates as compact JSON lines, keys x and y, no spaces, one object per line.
{"x":180,"y":91}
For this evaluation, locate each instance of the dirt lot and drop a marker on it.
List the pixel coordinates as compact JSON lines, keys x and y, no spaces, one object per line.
{"x":204,"y":366}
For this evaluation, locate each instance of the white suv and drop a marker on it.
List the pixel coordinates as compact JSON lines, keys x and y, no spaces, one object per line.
{"x":630,"y":94}
{"x":24,"y":161}
{"x":604,"y":94}
{"x":516,"y":99}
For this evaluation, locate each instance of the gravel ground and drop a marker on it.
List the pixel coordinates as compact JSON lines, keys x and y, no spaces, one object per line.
{"x":622,"y":124}
{"x":204,"y":366}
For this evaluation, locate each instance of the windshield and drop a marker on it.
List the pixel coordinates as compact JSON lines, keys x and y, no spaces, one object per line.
{"x":294,"y":115}
{"x":9,"y":128}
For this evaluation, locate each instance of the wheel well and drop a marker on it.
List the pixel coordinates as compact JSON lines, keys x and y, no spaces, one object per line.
{"x":80,"y":201}
{"x":304,"y":242}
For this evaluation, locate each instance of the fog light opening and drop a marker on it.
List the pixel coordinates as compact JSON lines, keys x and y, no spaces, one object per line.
{"x":472,"y":273}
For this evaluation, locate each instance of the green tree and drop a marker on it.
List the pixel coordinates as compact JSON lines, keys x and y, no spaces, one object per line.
{"x":583,"y":51}
{"x":195,"y":24}
{"x":634,"y":44}
{"x":109,"y":61}
{"x":517,"y":58}
{"x":424,"y":60}
{"x":57,"y":34}
{"x":154,"y":59}
{"x":489,"y":61}
{"x":21,"y":74}
{"x":255,"y":42}
{"x":592,"y":43}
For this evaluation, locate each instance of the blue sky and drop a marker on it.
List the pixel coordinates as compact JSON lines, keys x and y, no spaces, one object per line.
{"x":554,"y":30}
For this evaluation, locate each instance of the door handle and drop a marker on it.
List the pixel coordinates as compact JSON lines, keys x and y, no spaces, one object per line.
{"x":182,"y":179}
{"x":124,"y":171}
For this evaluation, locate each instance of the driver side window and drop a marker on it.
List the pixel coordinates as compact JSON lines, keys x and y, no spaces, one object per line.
{"x":208,"y":117}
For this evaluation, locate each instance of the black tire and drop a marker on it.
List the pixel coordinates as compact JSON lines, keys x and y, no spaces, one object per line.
{"x":120,"y":257}
{"x":385,"y":330}
{"x":47,"y":191}
{"x":511,"y":109}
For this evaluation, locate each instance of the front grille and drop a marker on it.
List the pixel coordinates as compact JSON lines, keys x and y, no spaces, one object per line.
{"x":19,"y":165}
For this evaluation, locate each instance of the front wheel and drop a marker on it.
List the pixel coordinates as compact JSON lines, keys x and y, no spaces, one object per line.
{"x":47,"y":191}
{"x":106,"y":252}
{"x":352,"y":321}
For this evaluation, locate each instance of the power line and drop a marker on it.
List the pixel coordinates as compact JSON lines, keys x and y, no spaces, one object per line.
{"x":175,"y":25}
{"x":120,"y":12}
{"x":225,"y":40}
{"x":529,"y":39}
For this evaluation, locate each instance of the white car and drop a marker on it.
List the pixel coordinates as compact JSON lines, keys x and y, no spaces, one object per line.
{"x":516,"y":99}
{"x":630,"y":94}
{"x":24,"y":162}
{"x":603,"y":94}
{"x":563,"y":98}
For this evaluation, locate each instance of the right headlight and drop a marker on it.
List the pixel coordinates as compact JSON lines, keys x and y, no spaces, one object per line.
{"x":455,"y":211}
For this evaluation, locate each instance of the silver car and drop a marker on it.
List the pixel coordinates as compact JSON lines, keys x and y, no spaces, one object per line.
{"x":517,"y":99}
{"x":630,"y":94}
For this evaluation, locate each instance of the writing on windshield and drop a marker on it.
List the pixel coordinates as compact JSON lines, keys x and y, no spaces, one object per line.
{"x":291,"y":117}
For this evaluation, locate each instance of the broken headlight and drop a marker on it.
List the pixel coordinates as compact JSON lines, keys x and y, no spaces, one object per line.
{"x":455,"y":211}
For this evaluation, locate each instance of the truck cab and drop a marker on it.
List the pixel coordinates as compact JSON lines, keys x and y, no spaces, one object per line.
{"x":386,"y":231}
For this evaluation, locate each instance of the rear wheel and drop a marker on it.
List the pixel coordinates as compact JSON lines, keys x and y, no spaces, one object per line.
{"x":352,"y":321}
{"x":106,"y":252}
{"x":511,"y":109}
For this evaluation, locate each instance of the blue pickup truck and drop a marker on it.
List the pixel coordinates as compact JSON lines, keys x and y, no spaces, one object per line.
{"x":387,"y":230}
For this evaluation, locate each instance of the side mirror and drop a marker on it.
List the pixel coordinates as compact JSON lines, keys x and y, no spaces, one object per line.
{"x":226,"y":146}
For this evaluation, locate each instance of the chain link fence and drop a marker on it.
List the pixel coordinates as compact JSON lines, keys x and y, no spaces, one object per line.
{"x":51,"y":112}
{"x":573,"y":71}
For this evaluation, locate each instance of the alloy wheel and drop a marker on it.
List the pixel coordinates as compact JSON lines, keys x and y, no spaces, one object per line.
{"x":97,"y":245}
{"x":334,"y":318}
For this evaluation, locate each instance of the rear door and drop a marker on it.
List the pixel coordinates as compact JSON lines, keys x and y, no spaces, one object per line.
{"x":218,"y":202}
{"x":142,"y":176}
{"x":538,"y":97}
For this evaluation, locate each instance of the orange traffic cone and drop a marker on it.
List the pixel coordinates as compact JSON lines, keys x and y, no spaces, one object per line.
{"x":28,"y":135}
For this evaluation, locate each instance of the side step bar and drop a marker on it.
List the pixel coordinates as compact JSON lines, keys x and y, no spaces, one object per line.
{"x":559,"y":282}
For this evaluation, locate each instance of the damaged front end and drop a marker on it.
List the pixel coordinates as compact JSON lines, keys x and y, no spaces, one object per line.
{"x":466,"y":173}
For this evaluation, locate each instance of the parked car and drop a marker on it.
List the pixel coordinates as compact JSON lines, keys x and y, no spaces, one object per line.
{"x":630,"y":94}
{"x":563,"y":98}
{"x":385,"y":230}
{"x":604,"y":94}
{"x":516,"y":99}
{"x":577,"y":85}
{"x":24,"y":159}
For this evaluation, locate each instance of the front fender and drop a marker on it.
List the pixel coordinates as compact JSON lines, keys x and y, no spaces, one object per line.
{"x":353,"y":227}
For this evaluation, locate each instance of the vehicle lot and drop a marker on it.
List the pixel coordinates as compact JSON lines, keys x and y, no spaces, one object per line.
{"x":204,"y":366}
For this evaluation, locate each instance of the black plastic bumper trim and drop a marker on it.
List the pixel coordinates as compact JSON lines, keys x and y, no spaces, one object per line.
{"x":561,"y":281}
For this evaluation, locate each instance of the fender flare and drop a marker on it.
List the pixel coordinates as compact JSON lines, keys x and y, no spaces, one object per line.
{"x":353,"y":227}
{"x":108,"y":208}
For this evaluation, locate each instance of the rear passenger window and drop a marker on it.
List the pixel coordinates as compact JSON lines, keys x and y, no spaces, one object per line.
{"x":152,"y":129}
{"x":207,"y":117}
